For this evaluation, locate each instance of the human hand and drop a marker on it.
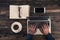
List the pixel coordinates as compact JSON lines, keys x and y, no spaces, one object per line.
{"x":45,"y":29}
{"x":32,"y":29}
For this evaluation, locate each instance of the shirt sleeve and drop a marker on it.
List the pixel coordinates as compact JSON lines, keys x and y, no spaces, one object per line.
{"x":49,"y":37}
{"x":29,"y":37}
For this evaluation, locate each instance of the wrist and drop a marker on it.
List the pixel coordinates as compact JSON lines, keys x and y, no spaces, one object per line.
{"x":30,"y":33}
{"x":47,"y":33}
